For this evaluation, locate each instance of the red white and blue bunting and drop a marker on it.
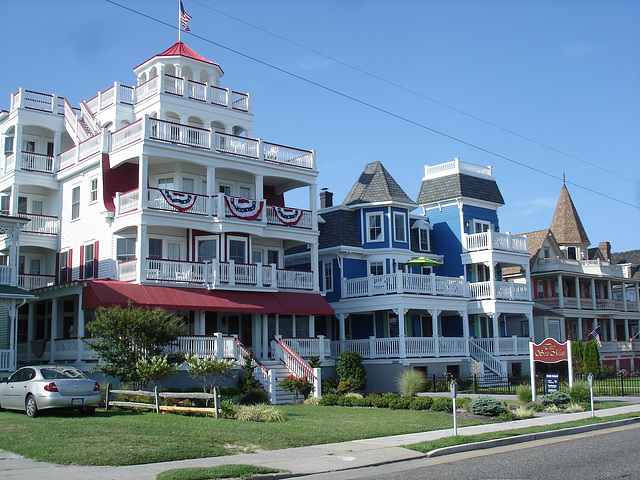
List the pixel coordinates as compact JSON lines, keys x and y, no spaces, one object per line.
{"x":244,"y":208}
{"x":179,"y":200}
{"x":288,"y":216}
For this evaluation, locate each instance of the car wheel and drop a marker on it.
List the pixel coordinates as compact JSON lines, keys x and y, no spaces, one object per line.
{"x":32,"y":407}
{"x":89,"y":410}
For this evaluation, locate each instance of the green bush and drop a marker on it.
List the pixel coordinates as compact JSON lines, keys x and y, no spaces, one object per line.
{"x":379,"y":401}
{"x":400,"y":403}
{"x":591,"y":358}
{"x":506,"y":416}
{"x":580,"y":392}
{"x":523,"y":412}
{"x":329,"y":386}
{"x":313,"y":401}
{"x":421,"y":403}
{"x":410,"y":382}
{"x":523,"y":391}
{"x":556,"y":398}
{"x":574,"y":408}
{"x":330,"y":399}
{"x":441,"y":404}
{"x":228,"y":409}
{"x":254,"y":396}
{"x":463,"y":402}
{"x":229,"y":391}
{"x":349,"y":367}
{"x":486,"y":406}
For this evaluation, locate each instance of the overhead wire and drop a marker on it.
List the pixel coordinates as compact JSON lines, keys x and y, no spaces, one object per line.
{"x":373,"y":107}
{"x":413,"y":92}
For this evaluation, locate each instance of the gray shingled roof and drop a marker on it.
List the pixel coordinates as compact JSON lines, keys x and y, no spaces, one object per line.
{"x":376,"y":185}
{"x":339,"y":228}
{"x":566,"y":225}
{"x":459,"y":185}
{"x":630,"y":256}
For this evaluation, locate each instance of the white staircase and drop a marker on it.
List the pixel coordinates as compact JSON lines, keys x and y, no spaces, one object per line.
{"x":279,"y":371}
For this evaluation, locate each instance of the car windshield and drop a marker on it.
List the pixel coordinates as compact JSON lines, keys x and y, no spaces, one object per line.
{"x":53,"y":373}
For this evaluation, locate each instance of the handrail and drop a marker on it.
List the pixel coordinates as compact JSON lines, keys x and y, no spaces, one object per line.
{"x":299,"y":361}
{"x":258,"y":363}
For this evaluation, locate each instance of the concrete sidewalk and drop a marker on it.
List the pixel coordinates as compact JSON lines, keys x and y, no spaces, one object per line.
{"x":300,"y":461}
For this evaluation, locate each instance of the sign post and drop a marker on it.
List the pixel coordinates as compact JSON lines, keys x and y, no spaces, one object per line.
{"x":549,"y":351}
{"x":454,"y":394}
{"x":590,"y":379}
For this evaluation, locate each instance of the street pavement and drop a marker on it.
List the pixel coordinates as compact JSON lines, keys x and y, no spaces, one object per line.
{"x":307,"y":460}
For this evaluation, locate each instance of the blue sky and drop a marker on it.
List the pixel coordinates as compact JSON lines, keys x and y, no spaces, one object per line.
{"x":565,"y":74}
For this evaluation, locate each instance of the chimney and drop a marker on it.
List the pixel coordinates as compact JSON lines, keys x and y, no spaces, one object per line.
{"x":605,"y":248}
{"x":326,"y":198}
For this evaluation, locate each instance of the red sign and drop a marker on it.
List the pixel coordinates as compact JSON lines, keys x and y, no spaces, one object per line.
{"x":550,"y":351}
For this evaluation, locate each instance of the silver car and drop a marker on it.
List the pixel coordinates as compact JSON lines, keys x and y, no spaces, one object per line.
{"x":41,"y":387}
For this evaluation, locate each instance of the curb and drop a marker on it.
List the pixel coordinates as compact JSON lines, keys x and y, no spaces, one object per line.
{"x":467,"y":447}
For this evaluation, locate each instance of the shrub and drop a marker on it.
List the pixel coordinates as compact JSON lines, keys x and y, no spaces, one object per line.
{"x":349,"y":367}
{"x":487,"y":406}
{"x":313,"y":401}
{"x":330,"y":399}
{"x":346,"y":386}
{"x":506,"y":416}
{"x":259,"y":413}
{"x":353,"y":395}
{"x":230,"y":391}
{"x":524,"y":392}
{"x":580,"y":392}
{"x":255,"y":396}
{"x":228,"y":409}
{"x":329,"y":386}
{"x":297,"y":386}
{"x":314,"y":362}
{"x":463,"y":402}
{"x":591,"y":358}
{"x":410,"y":382}
{"x":555,"y":398}
{"x":378,"y":401}
{"x":552,"y":409}
{"x":421,"y":403}
{"x":577,"y":355}
{"x":400,"y":403}
{"x":523,"y":412}
{"x":574,"y":408}
{"x":441,"y":404}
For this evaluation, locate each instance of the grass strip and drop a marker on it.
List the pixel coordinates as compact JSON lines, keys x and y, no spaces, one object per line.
{"x":220,"y":471}
{"x":425,"y":447}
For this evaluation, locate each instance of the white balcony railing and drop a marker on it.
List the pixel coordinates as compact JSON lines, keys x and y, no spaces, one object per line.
{"x":401,"y":282}
{"x":496,"y":241}
{"x":44,"y":224}
{"x":587,"y":267}
{"x":31,"y":281}
{"x":499,"y":291}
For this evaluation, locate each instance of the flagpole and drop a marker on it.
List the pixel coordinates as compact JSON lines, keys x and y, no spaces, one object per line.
{"x":179,"y":20}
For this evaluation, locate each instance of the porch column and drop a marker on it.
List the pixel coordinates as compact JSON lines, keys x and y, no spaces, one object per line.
{"x":627,"y":335}
{"x":17,"y":152}
{"x":609,"y":293}
{"x":402,"y":344}
{"x":141,"y":253}
{"x":560,"y":292}
{"x":56,"y":150}
{"x":624,"y":296}
{"x":496,"y":332}
{"x":13,"y":198}
{"x":313,"y":205}
{"x":31,"y":328}
{"x":527,"y":274}
{"x":143,"y":180}
{"x":436,"y":331}
{"x":577,"y":283}
{"x":341,"y":320}
{"x":465,"y":330}
{"x":211,"y":186}
{"x":593,"y":293}
{"x":265,"y":336}
{"x":53,"y":332}
{"x":10,"y":305}
{"x":530,"y":319}
{"x":315,"y":261}
{"x":79,"y":341}
{"x":580,"y":332}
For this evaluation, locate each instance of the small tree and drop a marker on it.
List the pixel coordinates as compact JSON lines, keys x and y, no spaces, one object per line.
{"x":249,"y":381}
{"x":131,"y":341}
{"x":577,"y":354}
{"x":209,"y":372}
{"x":591,"y":358}
{"x":349,"y":368}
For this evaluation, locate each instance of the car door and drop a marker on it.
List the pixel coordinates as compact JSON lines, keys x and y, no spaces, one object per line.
{"x":8,"y":390}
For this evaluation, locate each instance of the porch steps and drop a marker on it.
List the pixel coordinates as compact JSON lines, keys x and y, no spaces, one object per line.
{"x":489,"y":378}
{"x":280,"y":371}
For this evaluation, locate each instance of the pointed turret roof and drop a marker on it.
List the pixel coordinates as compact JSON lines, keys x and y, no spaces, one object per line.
{"x":179,"y":49}
{"x":376,"y":185}
{"x":566,"y":225}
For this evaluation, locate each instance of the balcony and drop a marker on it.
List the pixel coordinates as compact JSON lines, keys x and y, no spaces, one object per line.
{"x":42,"y":224}
{"x":30,"y":162}
{"x":499,"y":291}
{"x":217,"y":206}
{"x":496,"y":241}
{"x":31,"y":281}
{"x":585,"y":267}
{"x":217,"y":274}
{"x":588,"y":304}
{"x":401,"y":282}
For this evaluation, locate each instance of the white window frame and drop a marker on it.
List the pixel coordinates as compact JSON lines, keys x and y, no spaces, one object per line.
{"x":368,"y":226}
{"x":327,"y":276}
{"x":215,"y":238}
{"x":126,"y":254}
{"x":376,"y":263}
{"x":233,"y":238}
{"x":93,"y":190}
{"x":86,"y":261}
{"x":481,"y":226}
{"x":75,"y":203}
{"x":403,"y":216}
{"x":424,"y":232}
{"x":165,"y":241}
{"x":244,"y":191}
{"x":190,"y":189}
{"x":164,"y":182}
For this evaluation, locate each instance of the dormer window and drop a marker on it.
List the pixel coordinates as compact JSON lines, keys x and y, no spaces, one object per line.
{"x":374,"y":227}
{"x":571,"y":253}
{"x":424,"y":238}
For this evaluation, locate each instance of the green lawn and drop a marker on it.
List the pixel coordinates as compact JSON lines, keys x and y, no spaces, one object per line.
{"x":127,"y":438}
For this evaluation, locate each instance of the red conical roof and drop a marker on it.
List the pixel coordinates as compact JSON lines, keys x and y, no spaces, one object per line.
{"x":179,"y":49}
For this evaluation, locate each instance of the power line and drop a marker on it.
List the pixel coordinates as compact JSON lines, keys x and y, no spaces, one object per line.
{"x":418,"y":94}
{"x":372,"y":106}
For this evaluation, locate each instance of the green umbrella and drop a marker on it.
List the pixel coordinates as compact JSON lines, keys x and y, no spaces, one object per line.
{"x":424,"y":262}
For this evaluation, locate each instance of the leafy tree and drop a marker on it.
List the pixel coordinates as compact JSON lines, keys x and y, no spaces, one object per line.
{"x":135,"y":343}
{"x":248,"y":381}
{"x":349,"y":368}
{"x":577,"y":354}
{"x":209,"y":372}
{"x":591,"y":358}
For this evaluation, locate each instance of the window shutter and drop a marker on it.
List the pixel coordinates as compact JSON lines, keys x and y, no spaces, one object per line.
{"x":69,"y":266}
{"x":95,"y":260}
{"x":58,"y":279}
{"x":81,"y":269}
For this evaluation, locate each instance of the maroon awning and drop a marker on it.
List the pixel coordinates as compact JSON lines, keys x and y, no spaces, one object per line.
{"x":106,"y":293}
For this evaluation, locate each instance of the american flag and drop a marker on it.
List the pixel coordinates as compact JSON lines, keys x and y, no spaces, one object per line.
{"x":184,"y":18}
{"x":596,"y":335}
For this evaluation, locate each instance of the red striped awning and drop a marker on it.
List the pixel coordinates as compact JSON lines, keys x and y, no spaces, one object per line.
{"x":106,"y":293}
